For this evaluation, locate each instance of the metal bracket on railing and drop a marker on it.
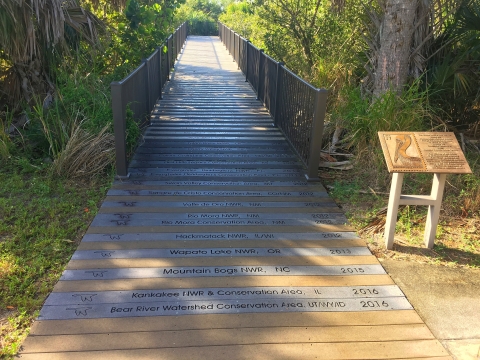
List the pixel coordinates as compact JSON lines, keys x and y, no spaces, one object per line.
{"x":316,"y":135}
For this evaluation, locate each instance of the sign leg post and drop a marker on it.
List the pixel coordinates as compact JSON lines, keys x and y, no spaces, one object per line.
{"x":392,"y":212}
{"x":434,"y":210}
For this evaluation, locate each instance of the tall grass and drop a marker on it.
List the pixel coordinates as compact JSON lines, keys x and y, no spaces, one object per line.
{"x":363,"y":117}
{"x":5,"y":142}
{"x":56,"y":126}
{"x":85,"y":155}
{"x":76,"y":127}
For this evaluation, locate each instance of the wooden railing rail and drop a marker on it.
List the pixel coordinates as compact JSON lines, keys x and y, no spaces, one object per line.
{"x":297,"y":107}
{"x":141,"y":89}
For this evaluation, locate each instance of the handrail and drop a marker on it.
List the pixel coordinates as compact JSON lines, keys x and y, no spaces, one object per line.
{"x":297,"y":107}
{"x":141,"y":89}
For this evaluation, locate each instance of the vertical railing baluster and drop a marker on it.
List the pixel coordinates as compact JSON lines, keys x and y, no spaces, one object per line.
{"x":278,"y":89}
{"x":246,"y":61}
{"x":259,"y":72}
{"x":147,"y":85}
{"x":239,"y":59}
{"x":160,"y":71}
{"x":119,"y":127}
{"x":168,"y":59}
{"x":316,"y":134}
{"x":233,"y":47}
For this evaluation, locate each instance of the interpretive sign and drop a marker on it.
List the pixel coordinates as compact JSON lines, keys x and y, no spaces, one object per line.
{"x":432,"y":152}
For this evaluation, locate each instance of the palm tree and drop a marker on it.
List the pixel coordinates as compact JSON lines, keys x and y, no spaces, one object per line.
{"x":32,"y":34}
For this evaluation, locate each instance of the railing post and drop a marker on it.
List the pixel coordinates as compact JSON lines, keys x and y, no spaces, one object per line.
{"x":168,"y":59}
{"x":259,"y":72}
{"x":147,"y":85}
{"x":119,"y":128}
{"x":227,"y":44}
{"x":160,"y":71}
{"x":278,"y":89}
{"x":316,"y":135}
{"x":239,"y":59}
{"x":172,"y":52}
{"x":234,"y":46}
{"x":246,"y":60}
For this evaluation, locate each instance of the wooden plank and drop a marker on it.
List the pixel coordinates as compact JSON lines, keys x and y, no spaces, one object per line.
{"x":188,"y":244}
{"x":211,"y":261}
{"x":219,"y":236}
{"x":338,"y":350}
{"x":224,"y":321}
{"x":209,"y":228}
{"x":192,"y":199}
{"x":165,"y":283}
{"x":136,"y":208}
{"x":225,"y":337}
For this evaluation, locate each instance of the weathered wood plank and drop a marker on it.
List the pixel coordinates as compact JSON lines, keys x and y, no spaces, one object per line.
{"x":188,"y":244}
{"x":225,"y":337}
{"x":307,"y":350}
{"x":245,"y":281}
{"x":224,"y":321}
{"x":153,"y":262}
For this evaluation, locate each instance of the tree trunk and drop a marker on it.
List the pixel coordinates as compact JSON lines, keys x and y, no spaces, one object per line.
{"x":32,"y":80}
{"x":395,"y":46}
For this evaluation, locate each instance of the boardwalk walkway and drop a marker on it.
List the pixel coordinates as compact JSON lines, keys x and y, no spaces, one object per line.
{"x":217,"y":248}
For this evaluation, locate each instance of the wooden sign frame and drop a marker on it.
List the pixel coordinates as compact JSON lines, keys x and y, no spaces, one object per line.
{"x":430,"y":152}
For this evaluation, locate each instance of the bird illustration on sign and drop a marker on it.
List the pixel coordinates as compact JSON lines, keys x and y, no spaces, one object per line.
{"x":403,"y":142}
{"x":401,"y":152}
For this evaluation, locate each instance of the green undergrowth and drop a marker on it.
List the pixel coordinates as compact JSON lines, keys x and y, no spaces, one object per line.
{"x":363,"y":194}
{"x":43,"y":220}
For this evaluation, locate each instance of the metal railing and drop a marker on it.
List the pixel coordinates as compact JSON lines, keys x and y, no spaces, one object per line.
{"x":141,"y":89}
{"x":297,"y":107}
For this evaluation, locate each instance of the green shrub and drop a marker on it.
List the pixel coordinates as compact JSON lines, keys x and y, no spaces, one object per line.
{"x":199,"y":24}
{"x":363,"y":117}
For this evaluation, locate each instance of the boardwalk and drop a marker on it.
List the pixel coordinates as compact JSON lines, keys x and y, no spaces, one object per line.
{"x":217,"y":248}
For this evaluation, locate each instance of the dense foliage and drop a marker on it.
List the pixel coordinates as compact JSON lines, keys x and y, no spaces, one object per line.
{"x":337,"y":45}
{"x":201,"y":15}
{"x":57,"y":59}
